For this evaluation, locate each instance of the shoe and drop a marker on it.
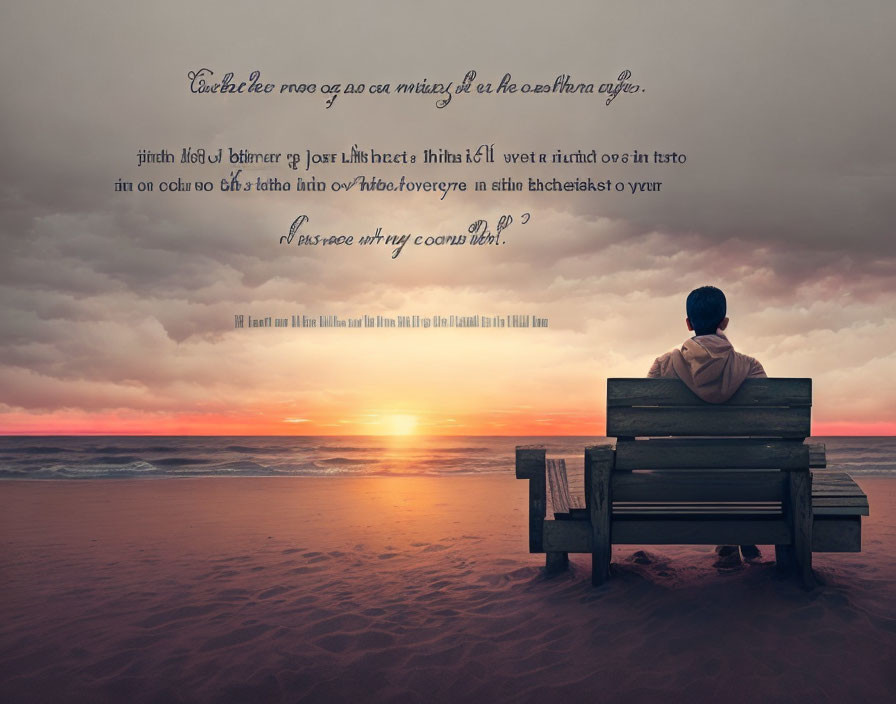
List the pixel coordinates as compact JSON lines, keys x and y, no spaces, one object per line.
{"x":729,"y":556}
{"x":750,"y":552}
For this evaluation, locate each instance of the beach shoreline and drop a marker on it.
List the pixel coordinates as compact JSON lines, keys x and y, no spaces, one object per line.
{"x":391,"y":589}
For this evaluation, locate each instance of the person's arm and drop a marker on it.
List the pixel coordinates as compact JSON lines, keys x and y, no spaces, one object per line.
{"x":655,"y":371}
{"x":756,"y":370}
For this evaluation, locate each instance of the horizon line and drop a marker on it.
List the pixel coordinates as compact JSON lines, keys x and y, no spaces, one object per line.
{"x":362,"y":435}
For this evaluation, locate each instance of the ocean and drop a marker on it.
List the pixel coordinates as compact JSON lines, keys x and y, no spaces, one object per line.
{"x":114,"y":457}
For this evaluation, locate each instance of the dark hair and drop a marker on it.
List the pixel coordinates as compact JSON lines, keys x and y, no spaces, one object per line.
{"x":706,"y":307}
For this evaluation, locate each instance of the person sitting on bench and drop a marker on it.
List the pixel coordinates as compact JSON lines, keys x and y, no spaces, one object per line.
{"x":710,"y":367}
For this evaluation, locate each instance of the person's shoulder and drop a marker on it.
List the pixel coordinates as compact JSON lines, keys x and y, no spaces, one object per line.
{"x":662,"y":366}
{"x":756,"y":370}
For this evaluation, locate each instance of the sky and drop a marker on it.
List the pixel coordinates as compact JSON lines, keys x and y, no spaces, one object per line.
{"x":118,"y":308}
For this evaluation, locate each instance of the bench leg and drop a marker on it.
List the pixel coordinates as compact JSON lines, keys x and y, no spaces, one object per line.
{"x":598,"y":466}
{"x":801,"y":514}
{"x":556,"y":562}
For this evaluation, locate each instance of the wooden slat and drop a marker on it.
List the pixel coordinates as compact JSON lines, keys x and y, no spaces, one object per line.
{"x":840,"y":506}
{"x":835,"y":483}
{"x":681,"y":485}
{"x":839,"y":501}
{"x":839,"y":488}
{"x":837,"y":494}
{"x":560,"y":500}
{"x":839,"y":510}
{"x":700,"y":532}
{"x":832,"y":492}
{"x":674,"y":510}
{"x":709,"y":420}
{"x":817,"y":456}
{"x":695,"y":504}
{"x":673,"y":392}
{"x":834,"y":496}
{"x":702,"y":515}
{"x":685,"y":506}
{"x":692,"y":453}
{"x":557,"y":481}
{"x":829,"y":534}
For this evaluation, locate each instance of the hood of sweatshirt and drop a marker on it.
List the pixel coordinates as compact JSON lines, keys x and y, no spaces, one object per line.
{"x":710,"y":367}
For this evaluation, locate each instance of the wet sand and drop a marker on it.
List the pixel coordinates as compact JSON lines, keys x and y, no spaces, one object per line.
{"x":407,"y":590}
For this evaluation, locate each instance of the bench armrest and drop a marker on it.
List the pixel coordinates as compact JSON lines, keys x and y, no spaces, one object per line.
{"x":817,"y":456}
{"x":530,"y":464}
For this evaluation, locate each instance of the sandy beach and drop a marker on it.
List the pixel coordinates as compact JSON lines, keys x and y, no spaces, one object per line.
{"x":404,"y":590}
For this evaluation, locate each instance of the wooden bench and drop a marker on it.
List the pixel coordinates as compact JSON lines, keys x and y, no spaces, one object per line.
{"x":683,"y":471}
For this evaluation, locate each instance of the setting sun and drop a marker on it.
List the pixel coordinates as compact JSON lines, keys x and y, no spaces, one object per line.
{"x":401,"y":424}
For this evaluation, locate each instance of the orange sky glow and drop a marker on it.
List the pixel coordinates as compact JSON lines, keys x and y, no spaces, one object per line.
{"x":519,"y":424}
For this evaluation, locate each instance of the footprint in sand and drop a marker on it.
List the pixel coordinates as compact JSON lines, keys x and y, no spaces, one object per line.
{"x":233,"y":558}
{"x":341,"y":624}
{"x":315,"y":556}
{"x":438,"y":547}
{"x":304,"y":570}
{"x":240,"y":635}
{"x":335,"y":643}
{"x":178,"y":614}
{"x":375,"y":639}
{"x":273,"y":591}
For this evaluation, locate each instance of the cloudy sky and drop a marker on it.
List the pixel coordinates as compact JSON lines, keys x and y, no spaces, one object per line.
{"x":118,"y":308}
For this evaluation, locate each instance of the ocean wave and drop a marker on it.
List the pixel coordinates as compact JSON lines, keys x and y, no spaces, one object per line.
{"x":343,"y":448}
{"x":40,"y":450}
{"x":87,"y":457}
{"x":178,"y":462}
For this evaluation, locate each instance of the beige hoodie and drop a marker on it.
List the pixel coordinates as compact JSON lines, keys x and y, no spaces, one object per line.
{"x":709,"y":366}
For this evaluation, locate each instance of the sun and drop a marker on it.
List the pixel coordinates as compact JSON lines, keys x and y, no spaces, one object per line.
{"x":401,"y":424}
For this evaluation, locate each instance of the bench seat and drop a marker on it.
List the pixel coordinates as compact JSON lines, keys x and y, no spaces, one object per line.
{"x":837,"y":505}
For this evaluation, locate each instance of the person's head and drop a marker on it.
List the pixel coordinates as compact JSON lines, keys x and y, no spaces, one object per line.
{"x":706,"y":308}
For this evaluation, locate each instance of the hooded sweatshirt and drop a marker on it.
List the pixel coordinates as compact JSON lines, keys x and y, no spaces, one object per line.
{"x":709,"y":366}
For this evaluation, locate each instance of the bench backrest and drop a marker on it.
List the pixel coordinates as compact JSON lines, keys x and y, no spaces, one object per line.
{"x":775,"y":408}
{"x":704,"y":445}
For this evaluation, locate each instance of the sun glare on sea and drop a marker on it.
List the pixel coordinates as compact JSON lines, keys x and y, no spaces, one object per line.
{"x":401,"y":424}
